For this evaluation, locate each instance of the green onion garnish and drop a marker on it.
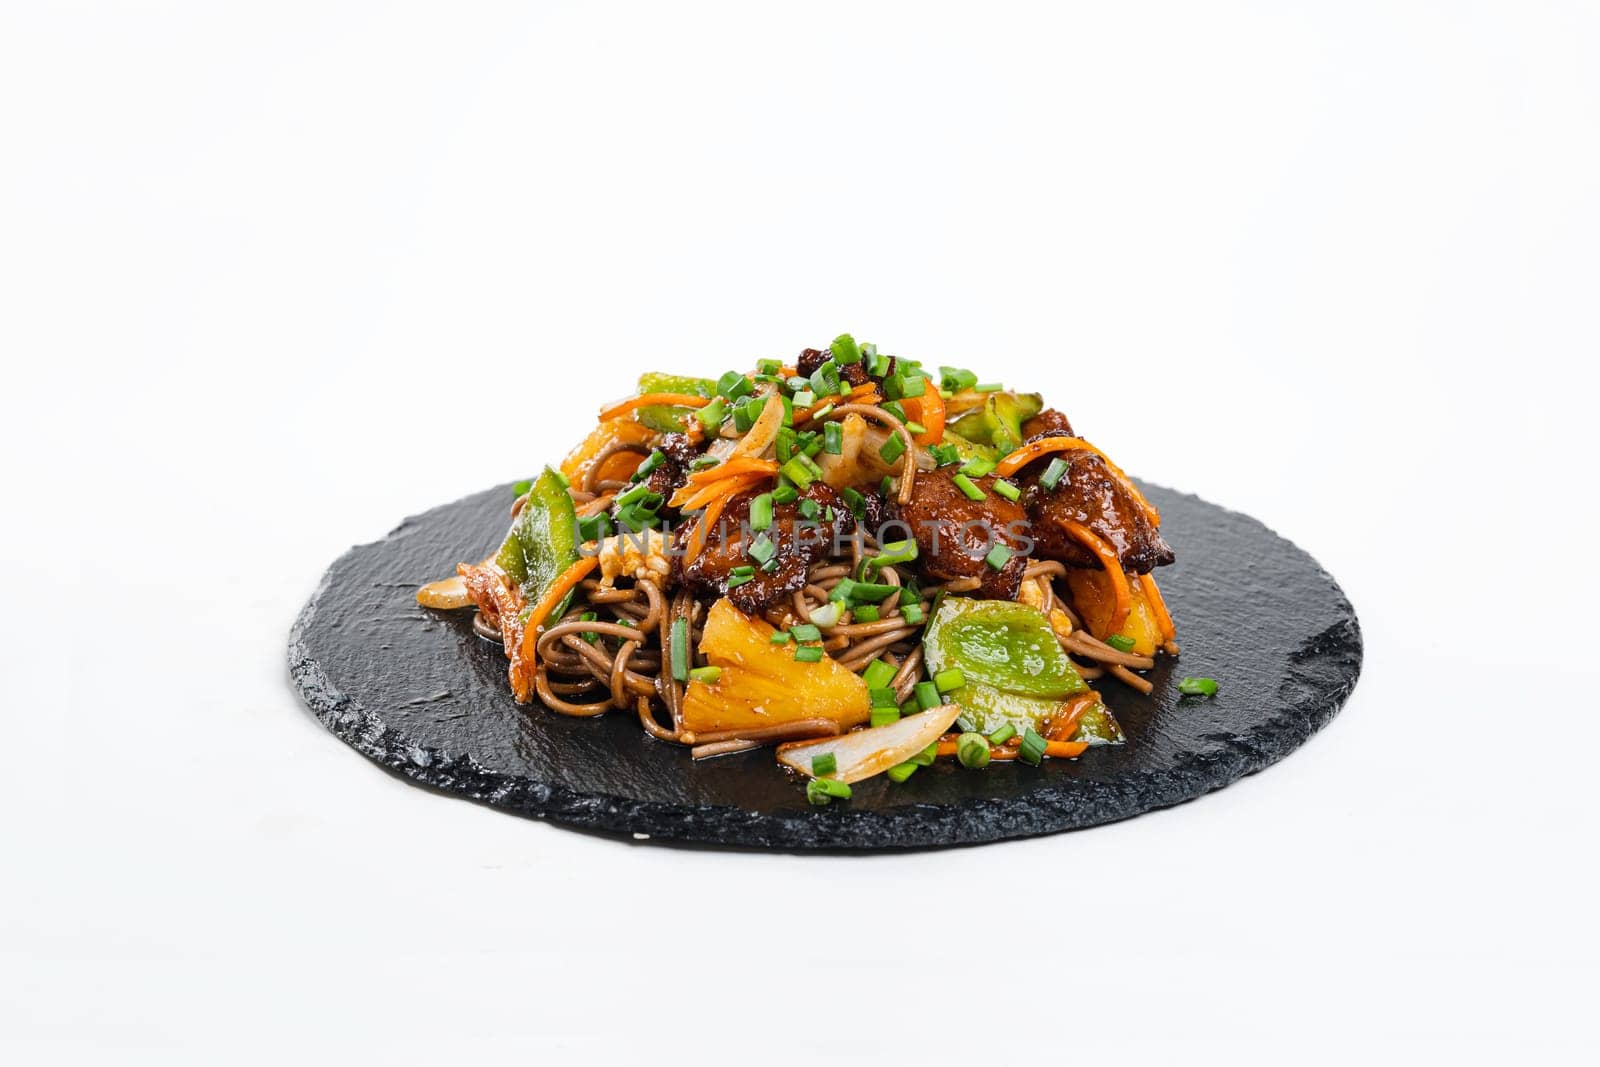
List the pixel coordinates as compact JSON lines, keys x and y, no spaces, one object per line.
{"x":956,"y":379}
{"x":824,"y":764}
{"x":1121,"y":642}
{"x":892,"y":449}
{"x":895,"y":552}
{"x":912,"y":613}
{"x":806,"y":632}
{"x":733,"y":385}
{"x":947,"y":680}
{"x":1198,"y":687}
{"x":743,"y":571}
{"x":522,"y":488}
{"x":854,"y":501}
{"x":712,"y":414}
{"x":589,"y":635}
{"x":893,"y":407}
{"x":655,"y":459}
{"x":968,"y":487}
{"x":1052,"y":474}
{"x":886,"y":487}
{"x":926,"y":757}
{"x":805,"y":398}
{"x":901,"y":771}
{"x":826,"y":790}
{"x":845,"y":349}
{"x":866,"y":613}
{"x":1033,"y":746}
{"x":1007,"y":489}
{"x":944,"y":455}
{"x":878,"y":674}
{"x":768,"y":366}
{"x":762,"y":548}
{"x":972,"y":750}
{"x":680,"y":649}
{"x":705,"y":675}
{"x":927,"y":695}
{"x":833,"y":438}
{"x":594,"y":527}
{"x":809,"y":509}
{"x":784,"y":494}
{"x":784,"y":443}
{"x":1002,"y":735}
{"x":988,"y":387}
{"x":796,"y":471}
{"x":761,"y":512}
{"x":977,"y":467}
{"x":633,"y":495}
{"x":823,"y":412}
{"x":879,"y":365}
{"x":998,"y":556}
{"x":884,"y":716}
{"x":781,"y":637}
{"x":964,"y":724}
{"x":883,"y":698}
{"x":702,"y":463}
{"x":808,"y":654}
{"x":736,"y":580}
{"x":916,"y":429}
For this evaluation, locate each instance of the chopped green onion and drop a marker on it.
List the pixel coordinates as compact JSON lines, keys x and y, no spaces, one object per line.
{"x":809,"y":509}
{"x":1007,"y":489}
{"x":823,"y":412}
{"x":884,"y":716}
{"x":895,"y":552}
{"x":589,"y":635}
{"x":883,"y":698}
{"x":1033,"y":746}
{"x":825,"y":379}
{"x":972,"y":749}
{"x":805,"y":632}
{"x":655,"y":459}
{"x":944,"y":455}
{"x":1052,"y":474}
{"x":820,"y":791}
{"x":916,"y":429}
{"x":926,"y":757}
{"x":680,"y":649}
{"x":912,"y":613}
{"x":770,"y":565}
{"x":909,"y":708}
{"x":927,"y":695}
{"x":744,"y":571}
{"x":879,"y":365}
{"x":824,"y":764}
{"x":893,"y":407}
{"x":892,"y":449}
{"x":878,"y":674}
{"x":735,"y":581}
{"x":797,"y":383}
{"x":999,"y":556}
{"x":956,"y":379}
{"x":845,"y":349}
{"x":712,"y":414}
{"x":866,"y":613}
{"x":812,"y":446}
{"x":968,"y":487}
{"x":833,"y":438}
{"x":701,"y":463}
{"x":808,"y":654}
{"x":522,"y":488}
{"x":805,"y":398}
{"x":1002,"y":735}
{"x":1198,"y":687}
{"x":947,"y":680}
{"x":636,"y":518}
{"x":816,"y":471}
{"x":988,"y":387}
{"x":964,"y":724}
{"x":633,"y":495}
{"x":733,"y":385}
{"x":901,"y":771}
{"x":781,"y":637}
{"x":826,"y":616}
{"x":1121,"y":642}
{"x":761,"y":512}
{"x":886,"y":487}
{"x":977,"y":467}
{"x":762,"y":548}
{"x":854,"y":501}
{"x":594,"y":528}
{"x":784,"y":494}
{"x":795,"y":470}
{"x":706,"y":675}
{"x":768,"y":366}
{"x":784,"y":443}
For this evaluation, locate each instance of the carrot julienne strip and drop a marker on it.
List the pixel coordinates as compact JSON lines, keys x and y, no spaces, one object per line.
{"x":1031,"y":451}
{"x":1054,"y":749}
{"x":623,"y":407}
{"x":1158,"y":604}
{"x":566,"y":581}
{"x":1107,"y":555}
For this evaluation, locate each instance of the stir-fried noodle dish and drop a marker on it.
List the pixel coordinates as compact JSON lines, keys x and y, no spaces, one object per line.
{"x":871,"y":564}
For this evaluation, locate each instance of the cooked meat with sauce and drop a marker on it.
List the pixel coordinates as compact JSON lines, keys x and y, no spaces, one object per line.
{"x":669,"y":477}
{"x":812,"y":358}
{"x":799,"y":543}
{"x":1048,"y":423}
{"x":1087,"y":493}
{"x":955,"y":534}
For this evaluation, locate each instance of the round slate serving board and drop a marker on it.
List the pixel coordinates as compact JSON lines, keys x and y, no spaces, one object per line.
{"x":421,"y":694}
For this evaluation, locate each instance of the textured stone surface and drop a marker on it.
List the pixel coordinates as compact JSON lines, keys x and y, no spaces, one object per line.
{"x":418,"y":692}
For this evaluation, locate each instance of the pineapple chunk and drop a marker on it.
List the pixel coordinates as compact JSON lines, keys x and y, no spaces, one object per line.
{"x":1093,"y":599}
{"x":762,"y":684}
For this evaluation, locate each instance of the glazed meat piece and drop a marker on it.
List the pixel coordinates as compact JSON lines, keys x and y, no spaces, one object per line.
{"x":671,"y":475}
{"x":812,"y":358}
{"x":1048,"y":423}
{"x":955,"y":534}
{"x":799,"y":543}
{"x":1087,"y":493}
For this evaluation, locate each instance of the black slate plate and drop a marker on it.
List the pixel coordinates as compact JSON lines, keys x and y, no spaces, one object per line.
{"x":418,"y":692}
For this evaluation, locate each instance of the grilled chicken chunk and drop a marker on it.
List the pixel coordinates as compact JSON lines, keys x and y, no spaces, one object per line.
{"x":1087,"y":493}
{"x":955,"y":535}
{"x":799,"y":542}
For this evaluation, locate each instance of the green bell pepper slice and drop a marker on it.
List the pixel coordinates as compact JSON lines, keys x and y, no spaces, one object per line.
{"x":543,"y":540}
{"x":998,"y":423}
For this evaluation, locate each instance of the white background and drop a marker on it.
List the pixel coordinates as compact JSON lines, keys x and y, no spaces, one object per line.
{"x":266,"y":270}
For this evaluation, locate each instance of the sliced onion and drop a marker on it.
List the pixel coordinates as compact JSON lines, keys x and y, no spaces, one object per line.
{"x":447,"y":594}
{"x":864,"y":753}
{"x":764,"y":431}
